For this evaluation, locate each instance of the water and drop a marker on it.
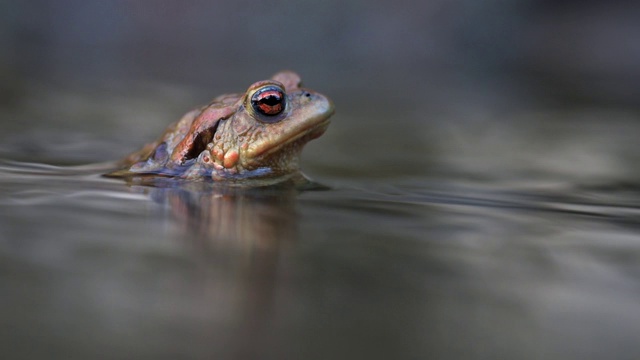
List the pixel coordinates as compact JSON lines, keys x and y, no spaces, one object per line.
{"x":485,"y":239}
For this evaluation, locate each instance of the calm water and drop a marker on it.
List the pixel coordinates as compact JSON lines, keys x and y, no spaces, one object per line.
{"x":511,"y":238}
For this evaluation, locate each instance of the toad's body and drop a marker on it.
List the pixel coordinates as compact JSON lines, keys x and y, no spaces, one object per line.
{"x":258,"y":134}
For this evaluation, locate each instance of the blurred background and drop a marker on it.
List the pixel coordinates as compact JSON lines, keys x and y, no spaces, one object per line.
{"x":583,"y":50}
{"x":441,"y":81}
{"x":482,"y":168}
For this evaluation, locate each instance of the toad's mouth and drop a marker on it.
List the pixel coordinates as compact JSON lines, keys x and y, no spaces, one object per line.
{"x":295,"y":140}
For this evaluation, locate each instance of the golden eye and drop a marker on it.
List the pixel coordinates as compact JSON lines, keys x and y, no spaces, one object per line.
{"x":269,"y":101}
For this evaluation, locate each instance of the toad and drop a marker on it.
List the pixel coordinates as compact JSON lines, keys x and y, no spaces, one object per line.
{"x":257,"y":134}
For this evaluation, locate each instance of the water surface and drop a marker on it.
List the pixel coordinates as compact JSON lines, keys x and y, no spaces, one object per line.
{"x":485,"y":239}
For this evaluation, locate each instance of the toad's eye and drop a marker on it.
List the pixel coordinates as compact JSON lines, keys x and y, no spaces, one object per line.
{"x":269,"y":100}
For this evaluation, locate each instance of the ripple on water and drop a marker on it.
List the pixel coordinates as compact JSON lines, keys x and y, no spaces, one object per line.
{"x":418,"y":262}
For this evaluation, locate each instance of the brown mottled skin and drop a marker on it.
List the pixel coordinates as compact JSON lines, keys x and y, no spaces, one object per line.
{"x":258,"y":134}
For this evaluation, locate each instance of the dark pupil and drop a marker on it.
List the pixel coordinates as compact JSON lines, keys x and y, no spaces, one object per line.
{"x":269,"y":102}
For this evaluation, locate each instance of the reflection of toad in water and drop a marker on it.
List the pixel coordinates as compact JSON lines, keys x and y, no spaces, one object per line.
{"x":241,"y":231}
{"x":232,"y":218}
